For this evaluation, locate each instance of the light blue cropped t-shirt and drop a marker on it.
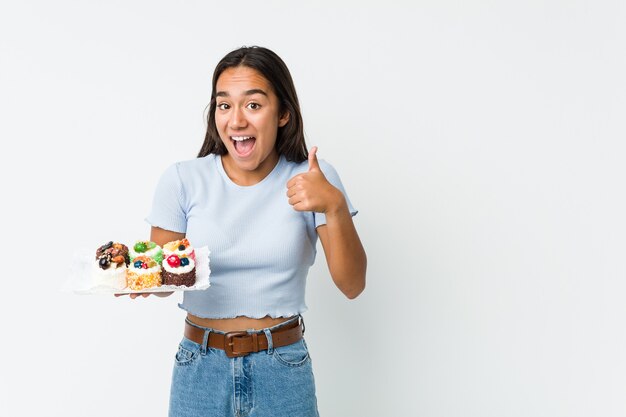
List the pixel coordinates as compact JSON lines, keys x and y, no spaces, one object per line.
{"x":260,"y":247}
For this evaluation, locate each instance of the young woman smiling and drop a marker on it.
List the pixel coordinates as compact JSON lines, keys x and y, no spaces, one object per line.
{"x":259,"y":201}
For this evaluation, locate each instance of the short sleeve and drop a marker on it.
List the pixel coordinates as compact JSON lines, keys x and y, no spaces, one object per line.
{"x":331,"y":175}
{"x":168,"y":207}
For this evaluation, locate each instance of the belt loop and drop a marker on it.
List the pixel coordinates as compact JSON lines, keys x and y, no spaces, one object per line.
{"x":255,"y":342}
{"x":270,"y":342}
{"x":205,"y":341}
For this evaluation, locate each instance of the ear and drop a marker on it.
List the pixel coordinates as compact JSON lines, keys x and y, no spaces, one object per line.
{"x":284,"y":119}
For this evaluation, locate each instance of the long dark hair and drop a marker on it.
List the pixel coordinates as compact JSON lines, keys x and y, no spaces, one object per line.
{"x":290,"y":138}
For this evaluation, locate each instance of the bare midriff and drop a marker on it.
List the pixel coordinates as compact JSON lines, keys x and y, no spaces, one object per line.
{"x":237,"y":323}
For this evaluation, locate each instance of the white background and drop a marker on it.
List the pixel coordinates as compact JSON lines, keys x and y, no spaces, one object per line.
{"x":482,"y":142}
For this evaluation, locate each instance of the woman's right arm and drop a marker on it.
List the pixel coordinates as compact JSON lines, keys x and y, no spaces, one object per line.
{"x":162,"y":236}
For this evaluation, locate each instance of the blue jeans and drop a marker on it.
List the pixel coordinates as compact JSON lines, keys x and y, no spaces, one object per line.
{"x":277,"y":382}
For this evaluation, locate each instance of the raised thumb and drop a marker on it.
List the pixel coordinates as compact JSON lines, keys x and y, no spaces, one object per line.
{"x":314,"y":165}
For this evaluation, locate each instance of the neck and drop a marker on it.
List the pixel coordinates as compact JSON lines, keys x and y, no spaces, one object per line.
{"x":247,"y":177}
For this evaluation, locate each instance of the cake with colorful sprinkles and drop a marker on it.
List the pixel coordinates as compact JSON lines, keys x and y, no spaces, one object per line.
{"x":143,"y":272}
{"x":179,"y":271}
{"x":111,"y":265}
{"x":146,"y":248}
{"x":182,"y":248}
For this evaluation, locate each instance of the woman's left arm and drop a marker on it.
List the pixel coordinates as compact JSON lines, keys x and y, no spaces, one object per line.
{"x":344,"y":252}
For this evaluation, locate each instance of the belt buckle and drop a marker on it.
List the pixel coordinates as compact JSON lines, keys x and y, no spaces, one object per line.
{"x":228,"y":344}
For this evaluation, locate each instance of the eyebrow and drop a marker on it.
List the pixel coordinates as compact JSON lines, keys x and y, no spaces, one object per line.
{"x":246,"y":93}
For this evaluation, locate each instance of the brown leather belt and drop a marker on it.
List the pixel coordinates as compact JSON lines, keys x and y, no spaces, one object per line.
{"x":241,"y":343}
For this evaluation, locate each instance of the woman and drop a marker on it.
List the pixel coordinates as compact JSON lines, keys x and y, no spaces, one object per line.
{"x":258,"y":201}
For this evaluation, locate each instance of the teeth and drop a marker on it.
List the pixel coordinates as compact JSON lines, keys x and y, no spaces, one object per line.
{"x":240,"y":138}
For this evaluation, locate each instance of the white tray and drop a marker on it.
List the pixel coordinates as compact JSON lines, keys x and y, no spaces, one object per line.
{"x":80,"y":279}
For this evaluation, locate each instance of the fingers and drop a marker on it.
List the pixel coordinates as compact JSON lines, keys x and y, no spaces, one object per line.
{"x":296,"y":193}
{"x":302,"y":187}
{"x":296,"y":179}
{"x":314,"y":165}
{"x":134,"y":295}
{"x":295,"y":183}
{"x":295,"y":200}
{"x":298,"y":204}
{"x":299,"y":201}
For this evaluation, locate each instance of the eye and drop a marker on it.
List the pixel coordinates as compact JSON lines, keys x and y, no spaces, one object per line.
{"x":254,"y":106}
{"x":223,"y":106}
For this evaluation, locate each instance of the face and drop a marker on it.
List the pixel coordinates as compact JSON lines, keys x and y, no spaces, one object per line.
{"x":247,"y":119}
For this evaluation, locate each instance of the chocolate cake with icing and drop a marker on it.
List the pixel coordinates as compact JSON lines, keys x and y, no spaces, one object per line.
{"x":179,"y":271}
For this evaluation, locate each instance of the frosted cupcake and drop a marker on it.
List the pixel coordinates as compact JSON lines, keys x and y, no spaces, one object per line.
{"x":146,"y":248}
{"x":179,"y":271}
{"x":181,"y":248}
{"x":110,"y":266}
{"x":143,"y":272}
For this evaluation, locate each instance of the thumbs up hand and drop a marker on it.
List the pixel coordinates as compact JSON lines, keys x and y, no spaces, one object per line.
{"x":311,"y":191}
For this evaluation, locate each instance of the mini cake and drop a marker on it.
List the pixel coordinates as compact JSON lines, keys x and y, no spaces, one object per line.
{"x":182,"y":248}
{"x":143,"y":272}
{"x":146,"y":248}
{"x":179,"y":271}
{"x":111,"y":265}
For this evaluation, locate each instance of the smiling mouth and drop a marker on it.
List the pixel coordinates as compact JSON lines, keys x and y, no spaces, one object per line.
{"x":243,"y":144}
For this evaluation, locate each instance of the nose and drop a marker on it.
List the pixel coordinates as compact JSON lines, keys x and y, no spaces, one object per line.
{"x":237,"y":119}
